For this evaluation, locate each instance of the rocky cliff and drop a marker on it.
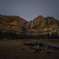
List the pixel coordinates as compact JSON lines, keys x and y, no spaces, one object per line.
{"x":11,"y":24}
{"x":18,"y":25}
{"x":42,"y":25}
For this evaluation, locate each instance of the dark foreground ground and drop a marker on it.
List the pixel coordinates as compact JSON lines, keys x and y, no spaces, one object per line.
{"x":15,"y":49}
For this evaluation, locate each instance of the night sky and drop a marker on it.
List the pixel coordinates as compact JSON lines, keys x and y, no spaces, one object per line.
{"x":30,"y":9}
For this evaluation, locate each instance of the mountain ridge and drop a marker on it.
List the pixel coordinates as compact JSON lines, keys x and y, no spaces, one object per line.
{"x":39,"y":25}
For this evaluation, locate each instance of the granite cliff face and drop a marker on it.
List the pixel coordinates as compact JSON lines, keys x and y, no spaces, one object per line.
{"x":18,"y":25}
{"x":11,"y":24}
{"x":40,"y":21}
{"x":42,"y":25}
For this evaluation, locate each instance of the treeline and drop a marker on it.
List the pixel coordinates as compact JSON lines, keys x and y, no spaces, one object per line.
{"x":47,"y":36}
{"x":10,"y":35}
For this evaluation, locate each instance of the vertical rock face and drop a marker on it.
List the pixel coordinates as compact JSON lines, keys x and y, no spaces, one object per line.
{"x":11,"y":24}
{"x":18,"y":25}
{"x":40,"y":21}
{"x":52,"y":21}
{"x":42,"y":25}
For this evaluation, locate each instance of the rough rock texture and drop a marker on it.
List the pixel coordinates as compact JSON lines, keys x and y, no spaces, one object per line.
{"x":11,"y":24}
{"x":18,"y":25}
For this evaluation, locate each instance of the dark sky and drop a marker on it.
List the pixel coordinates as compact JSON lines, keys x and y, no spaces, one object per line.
{"x":30,"y":9}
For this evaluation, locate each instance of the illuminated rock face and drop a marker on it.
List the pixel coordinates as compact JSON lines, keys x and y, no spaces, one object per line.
{"x":11,"y":24}
{"x":18,"y":25}
{"x":32,"y":32}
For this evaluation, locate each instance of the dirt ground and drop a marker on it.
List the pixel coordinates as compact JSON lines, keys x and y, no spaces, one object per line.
{"x":15,"y":49}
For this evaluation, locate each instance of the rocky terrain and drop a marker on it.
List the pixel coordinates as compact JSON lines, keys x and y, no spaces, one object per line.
{"x":19,"y":26}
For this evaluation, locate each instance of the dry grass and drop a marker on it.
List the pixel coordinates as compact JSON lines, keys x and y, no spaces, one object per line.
{"x":14,"y":49}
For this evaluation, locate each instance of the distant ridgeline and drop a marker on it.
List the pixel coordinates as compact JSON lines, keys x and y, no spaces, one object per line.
{"x":15,"y":27}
